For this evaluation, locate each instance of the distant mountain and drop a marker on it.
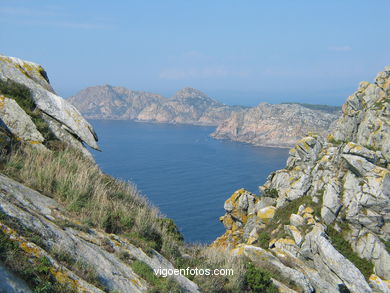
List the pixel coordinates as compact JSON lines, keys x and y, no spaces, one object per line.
{"x":187,"y":106}
{"x":266,"y":125}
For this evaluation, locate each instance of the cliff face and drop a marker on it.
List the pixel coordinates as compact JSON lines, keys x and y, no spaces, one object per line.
{"x":322,"y":224}
{"x":274,"y":125}
{"x":187,"y":106}
{"x":58,"y":211}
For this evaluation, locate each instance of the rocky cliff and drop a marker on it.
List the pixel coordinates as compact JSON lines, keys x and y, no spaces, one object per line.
{"x":264,"y":125}
{"x":59,"y":212}
{"x":322,"y":224}
{"x":274,"y":125}
{"x":187,"y":106}
{"x":39,"y":106}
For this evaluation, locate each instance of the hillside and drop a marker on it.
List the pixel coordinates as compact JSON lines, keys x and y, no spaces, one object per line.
{"x":264,"y":125}
{"x":279,"y":125}
{"x":322,"y":224}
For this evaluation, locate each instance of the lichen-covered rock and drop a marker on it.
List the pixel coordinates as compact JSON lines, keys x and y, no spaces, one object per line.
{"x":378,"y":285}
{"x":332,"y":264}
{"x":340,"y":183}
{"x":42,"y":215}
{"x":34,"y":77}
{"x":264,"y":258}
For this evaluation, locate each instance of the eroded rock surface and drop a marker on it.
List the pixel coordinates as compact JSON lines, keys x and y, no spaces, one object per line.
{"x":333,"y":197}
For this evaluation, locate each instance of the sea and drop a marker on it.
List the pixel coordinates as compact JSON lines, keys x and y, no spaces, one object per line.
{"x":183,"y":171}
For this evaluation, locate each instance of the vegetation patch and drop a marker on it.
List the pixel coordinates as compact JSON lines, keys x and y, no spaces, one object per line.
{"x":264,"y":239}
{"x":343,"y":246}
{"x":271,"y":192}
{"x":158,"y":284}
{"x":258,"y":280}
{"x":90,"y":196}
{"x":275,"y":228}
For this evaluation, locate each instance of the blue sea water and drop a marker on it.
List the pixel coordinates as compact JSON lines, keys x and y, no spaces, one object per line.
{"x":183,"y":171}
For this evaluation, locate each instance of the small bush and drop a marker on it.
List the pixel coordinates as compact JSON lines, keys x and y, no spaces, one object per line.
{"x":258,"y":280}
{"x":264,"y":239}
{"x":271,"y":192}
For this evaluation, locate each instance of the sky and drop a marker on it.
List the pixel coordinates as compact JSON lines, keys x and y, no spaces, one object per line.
{"x":237,"y":51}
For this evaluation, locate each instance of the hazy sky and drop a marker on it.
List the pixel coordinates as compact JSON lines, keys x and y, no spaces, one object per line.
{"x":240,"y":52}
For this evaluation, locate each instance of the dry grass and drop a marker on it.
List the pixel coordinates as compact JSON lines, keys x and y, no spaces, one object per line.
{"x":91,"y":196}
{"x":204,"y":257}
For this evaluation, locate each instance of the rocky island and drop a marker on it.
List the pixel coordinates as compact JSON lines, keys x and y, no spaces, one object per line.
{"x":265,"y":125}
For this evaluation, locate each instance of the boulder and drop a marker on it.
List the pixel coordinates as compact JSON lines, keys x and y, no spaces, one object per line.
{"x":18,"y":122}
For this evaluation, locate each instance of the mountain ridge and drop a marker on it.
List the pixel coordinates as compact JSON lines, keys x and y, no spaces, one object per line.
{"x":191,"y":106}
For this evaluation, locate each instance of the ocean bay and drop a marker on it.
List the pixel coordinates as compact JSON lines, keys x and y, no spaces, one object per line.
{"x":184,"y":172}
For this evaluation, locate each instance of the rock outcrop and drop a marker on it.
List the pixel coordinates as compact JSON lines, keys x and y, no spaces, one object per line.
{"x":264,"y":125}
{"x":278,"y":125}
{"x":62,"y":117}
{"x":322,"y":224}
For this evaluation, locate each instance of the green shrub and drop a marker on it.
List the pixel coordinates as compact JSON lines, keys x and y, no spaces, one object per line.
{"x":271,"y":192}
{"x":258,"y":280}
{"x":343,"y":246}
{"x":264,"y":239}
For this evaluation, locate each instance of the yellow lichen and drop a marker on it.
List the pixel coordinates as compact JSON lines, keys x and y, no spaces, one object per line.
{"x":308,"y":210}
{"x":286,"y":241}
{"x":266,"y":214}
